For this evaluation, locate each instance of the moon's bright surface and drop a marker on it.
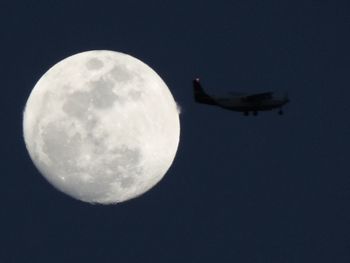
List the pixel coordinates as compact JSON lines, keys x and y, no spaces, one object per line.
{"x":101,"y":126}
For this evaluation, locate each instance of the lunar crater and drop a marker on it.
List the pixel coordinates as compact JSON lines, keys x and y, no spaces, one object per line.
{"x":77,"y":105}
{"x":101,"y":94}
{"x":121,"y":74}
{"x":94,"y":64}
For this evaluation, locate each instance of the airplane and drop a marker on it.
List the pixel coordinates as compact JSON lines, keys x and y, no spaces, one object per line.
{"x":242,"y":102}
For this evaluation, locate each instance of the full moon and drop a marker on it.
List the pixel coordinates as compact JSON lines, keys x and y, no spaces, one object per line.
{"x":101,"y":126}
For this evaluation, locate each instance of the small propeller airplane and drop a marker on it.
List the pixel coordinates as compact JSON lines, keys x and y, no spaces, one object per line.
{"x":242,"y":102}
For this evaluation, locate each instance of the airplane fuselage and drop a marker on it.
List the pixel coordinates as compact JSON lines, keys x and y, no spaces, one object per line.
{"x":237,"y":104}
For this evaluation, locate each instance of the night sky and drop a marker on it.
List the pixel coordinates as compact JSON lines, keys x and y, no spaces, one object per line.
{"x":241,"y":189}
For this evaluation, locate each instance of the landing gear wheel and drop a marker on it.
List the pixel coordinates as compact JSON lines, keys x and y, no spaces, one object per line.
{"x":280,"y":112}
{"x":255,"y":113}
{"x":246,"y":113}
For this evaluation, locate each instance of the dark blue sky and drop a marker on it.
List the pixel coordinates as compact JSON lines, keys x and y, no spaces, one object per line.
{"x":259,"y":189}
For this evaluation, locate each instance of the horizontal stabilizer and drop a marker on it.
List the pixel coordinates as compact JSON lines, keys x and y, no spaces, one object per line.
{"x":237,"y":94}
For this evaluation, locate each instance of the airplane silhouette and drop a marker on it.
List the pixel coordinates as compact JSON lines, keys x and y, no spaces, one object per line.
{"x":242,"y":102}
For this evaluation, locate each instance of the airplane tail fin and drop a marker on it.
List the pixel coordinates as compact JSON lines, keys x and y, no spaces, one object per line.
{"x":199,"y":94}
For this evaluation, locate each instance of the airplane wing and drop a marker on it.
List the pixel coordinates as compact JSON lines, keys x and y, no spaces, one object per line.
{"x":257,"y":97}
{"x":237,"y":94}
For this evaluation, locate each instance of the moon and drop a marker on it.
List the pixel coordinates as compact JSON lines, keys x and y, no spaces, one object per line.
{"x":101,"y":126}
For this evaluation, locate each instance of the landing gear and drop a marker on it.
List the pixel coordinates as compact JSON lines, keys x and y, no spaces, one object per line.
{"x":255,"y":113}
{"x":246,"y":113}
{"x":280,"y":112}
